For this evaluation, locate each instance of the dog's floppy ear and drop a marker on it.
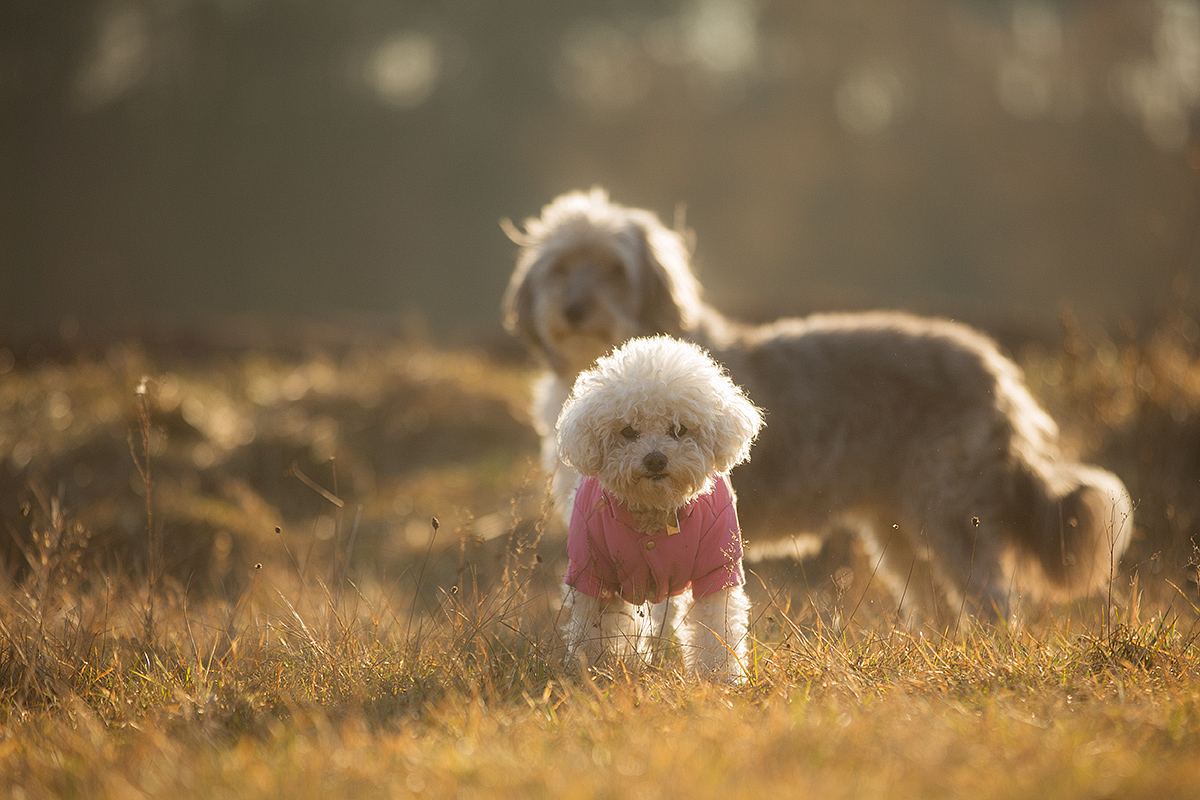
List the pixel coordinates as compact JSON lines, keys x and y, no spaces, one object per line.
{"x":519,"y":317}
{"x":520,"y":299}
{"x":579,"y":443}
{"x":735,"y":427}
{"x":669,"y":294}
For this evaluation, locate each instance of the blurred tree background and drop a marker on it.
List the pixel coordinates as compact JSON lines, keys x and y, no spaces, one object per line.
{"x":174,"y":161}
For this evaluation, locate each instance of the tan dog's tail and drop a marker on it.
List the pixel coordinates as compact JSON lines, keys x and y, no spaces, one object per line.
{"x":1080,"y":520}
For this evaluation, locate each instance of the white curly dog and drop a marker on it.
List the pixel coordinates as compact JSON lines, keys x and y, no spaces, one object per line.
{"x":654,"y":429}
{"x":917,"y":433}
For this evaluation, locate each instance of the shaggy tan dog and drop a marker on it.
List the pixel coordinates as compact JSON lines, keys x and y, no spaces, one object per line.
{"x":916,"y":432}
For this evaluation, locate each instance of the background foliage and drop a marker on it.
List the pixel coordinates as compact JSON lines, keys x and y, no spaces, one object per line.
{"x":167,"y":159}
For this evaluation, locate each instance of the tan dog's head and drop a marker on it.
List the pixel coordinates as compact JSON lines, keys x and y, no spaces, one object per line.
{"x":592,"y":274}
{"x":655,"y":421}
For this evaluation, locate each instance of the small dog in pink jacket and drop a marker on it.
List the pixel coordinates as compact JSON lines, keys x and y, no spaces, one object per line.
{"x":654,"y":429}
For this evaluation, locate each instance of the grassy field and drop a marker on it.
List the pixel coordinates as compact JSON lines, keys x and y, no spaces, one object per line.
{"x":224,"y":578}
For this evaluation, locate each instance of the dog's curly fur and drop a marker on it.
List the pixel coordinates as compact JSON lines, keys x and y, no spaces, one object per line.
{"x":916,"y":431}
{"x":663,"y":399}
{"x":676,"y":401}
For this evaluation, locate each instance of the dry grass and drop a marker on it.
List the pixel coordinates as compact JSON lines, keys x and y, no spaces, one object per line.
{"x":290,"y":693}
{"x":199,"y":602}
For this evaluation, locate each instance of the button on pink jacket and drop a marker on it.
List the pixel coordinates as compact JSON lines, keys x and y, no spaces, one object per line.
{"x":610,"y":556}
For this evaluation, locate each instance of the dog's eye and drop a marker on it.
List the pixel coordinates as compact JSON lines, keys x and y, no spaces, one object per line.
{"x":629,"y":433}
{"x":677,"y":430}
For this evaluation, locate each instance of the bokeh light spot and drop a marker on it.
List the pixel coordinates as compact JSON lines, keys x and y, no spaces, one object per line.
{"x":404,"y":70}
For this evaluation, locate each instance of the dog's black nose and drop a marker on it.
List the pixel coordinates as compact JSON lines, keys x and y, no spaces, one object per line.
{"x":655,"y":462}
{"x":576,"y":311}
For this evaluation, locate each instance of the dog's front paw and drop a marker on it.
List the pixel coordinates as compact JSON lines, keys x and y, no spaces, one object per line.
{"x":723,"y":674}
{"x":733,"y":679}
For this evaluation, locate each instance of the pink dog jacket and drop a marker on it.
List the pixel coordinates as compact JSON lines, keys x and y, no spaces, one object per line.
{"x":609,"y":555}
